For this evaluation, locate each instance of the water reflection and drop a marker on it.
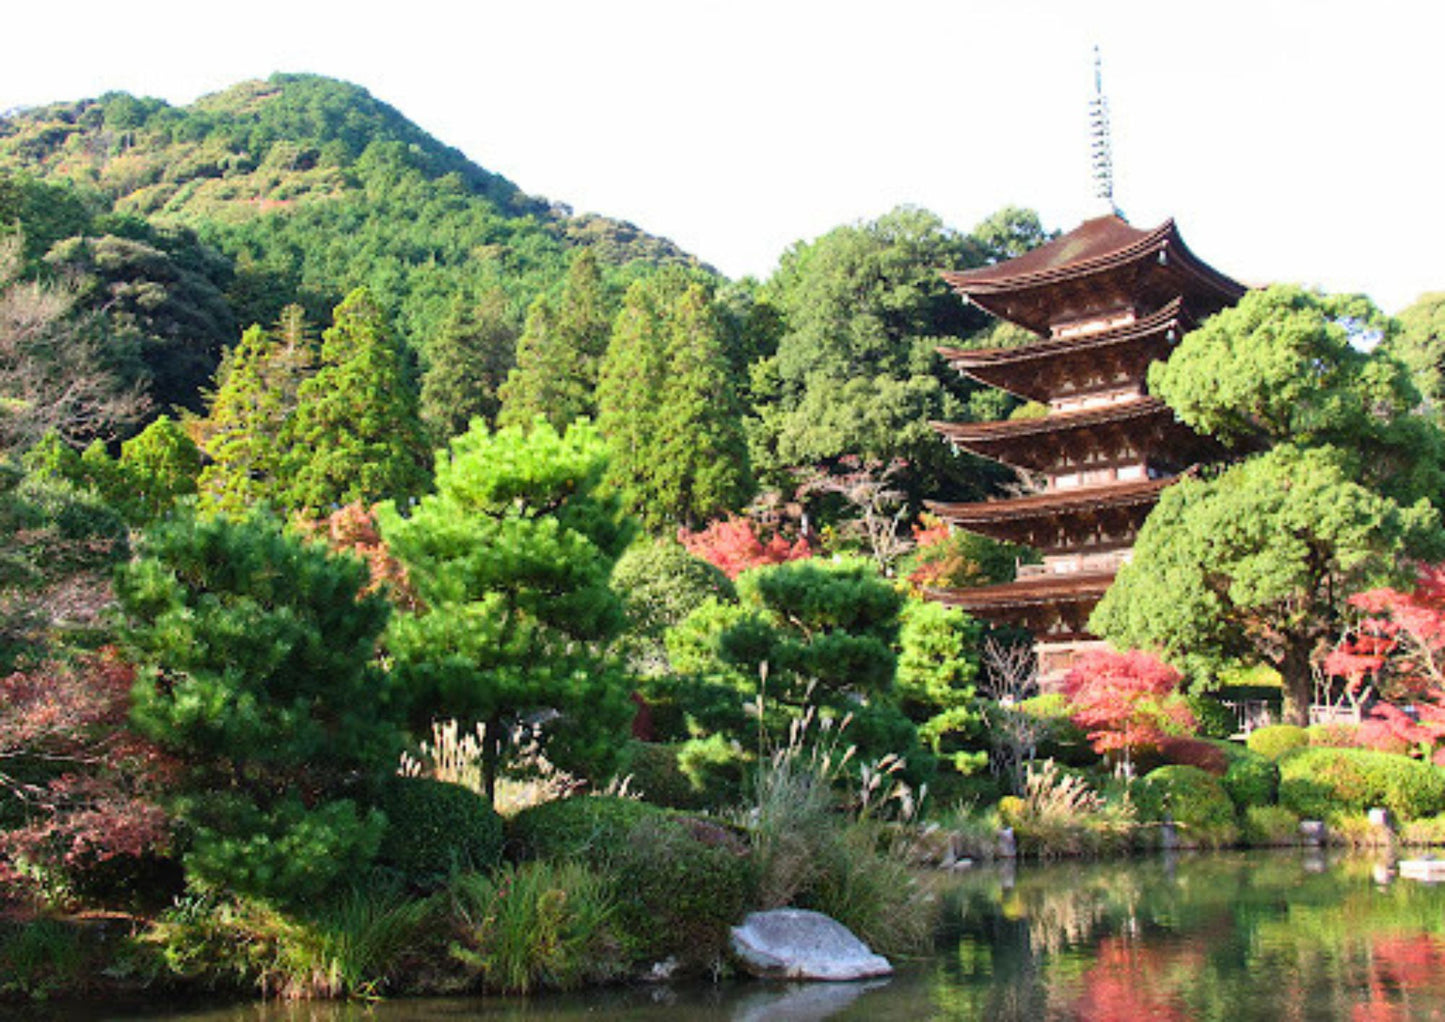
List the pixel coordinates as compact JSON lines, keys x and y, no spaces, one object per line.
{"x":1218,"y":937}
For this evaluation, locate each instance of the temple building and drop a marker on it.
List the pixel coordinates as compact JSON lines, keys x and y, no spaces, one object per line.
{"x":1105,"y":300}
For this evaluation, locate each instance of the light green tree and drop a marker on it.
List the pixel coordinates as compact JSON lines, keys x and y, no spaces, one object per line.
{"x":512,"y":557}
{"x":1255,"y":565}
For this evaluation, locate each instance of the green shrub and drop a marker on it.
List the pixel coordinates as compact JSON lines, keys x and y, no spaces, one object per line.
{"x":716,"y":768}
{"x":1277,"y":739}
{"x":1196,"y":801}
{"x":1323,"y":783}
{"x":434,"y":828}
{"x":1427,"y":831}
{"x":653,"y":772}
{"x":1334,"y":736}
{"x":1212,"y":719}
{"x":575,"y":827}
{"x":1265,"y":826}
{"x":1065,"y":741}
{"x":39,"y":957}
{"x":1251,"y":779}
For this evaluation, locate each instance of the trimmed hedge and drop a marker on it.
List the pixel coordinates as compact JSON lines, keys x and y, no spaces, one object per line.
{"x":1196,"y":802}
{"x":1277,"y":739}
{"x":1321,"y":782}
{"x":433,"y":827}
{"x":1251,"y":779}
{"x":583,"y":827}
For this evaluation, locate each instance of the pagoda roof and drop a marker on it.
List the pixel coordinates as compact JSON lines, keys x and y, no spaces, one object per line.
{"x":1018,"y":369}
{"x":1041,"y":590}
{"x":1052,"y":503}
{"x":1007,"y":440}
{"x":1122,"y":265}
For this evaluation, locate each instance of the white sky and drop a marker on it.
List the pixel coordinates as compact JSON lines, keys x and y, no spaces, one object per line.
{"x":1291,"y":139}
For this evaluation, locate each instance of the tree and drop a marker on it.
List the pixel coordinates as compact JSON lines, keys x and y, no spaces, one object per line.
{"x":1256,"y":562}
{"x":660,"y":584}
{"x":668,"y":409}
{"x":733,"y":546}
{"x":1127,"y":702}
{"x":1420,"y":344}
{"x":1287,"y":365}
{"x":467,"y":364}
{"x":258,"y":386}
{"x":803,"y":634}
{"x":355,"y":434}
{"x":511,"y":557}
{"x":560,"y":351}
{"x":937,"y":666}
{"x":58,"y":369}
{"x":256,"y":653}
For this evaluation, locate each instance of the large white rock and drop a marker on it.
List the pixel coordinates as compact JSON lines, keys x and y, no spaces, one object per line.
{"x":793,"y":943}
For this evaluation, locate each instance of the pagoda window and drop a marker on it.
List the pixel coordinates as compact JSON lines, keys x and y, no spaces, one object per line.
{"x":1128,"y":472}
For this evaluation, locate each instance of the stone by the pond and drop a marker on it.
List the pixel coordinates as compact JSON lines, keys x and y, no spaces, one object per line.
{"x":793,"y":943}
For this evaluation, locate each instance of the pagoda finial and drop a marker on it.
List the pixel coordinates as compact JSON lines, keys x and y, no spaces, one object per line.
{"x":1101,"y":150}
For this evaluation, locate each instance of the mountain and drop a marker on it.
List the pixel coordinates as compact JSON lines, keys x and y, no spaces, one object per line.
{"x":305,"y":187}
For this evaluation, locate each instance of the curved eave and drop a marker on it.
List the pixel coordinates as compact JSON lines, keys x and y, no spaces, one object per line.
{"x":966,"y":360}
{"x":1078,"y":587}
{"x":1054,"y":261}
{"x":1052,"y":504}
{"x":973,"y":435}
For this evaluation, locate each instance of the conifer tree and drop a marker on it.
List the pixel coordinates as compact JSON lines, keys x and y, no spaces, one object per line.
{"x":468,"y":363}
{"x":356,"y":432}
{"x":560,"y":351}
{"x":257,"y":389}
{"x":667,"y":406}
{"x":512,"y":557}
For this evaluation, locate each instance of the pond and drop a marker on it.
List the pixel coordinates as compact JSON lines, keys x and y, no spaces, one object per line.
{"x":1230,"y":936}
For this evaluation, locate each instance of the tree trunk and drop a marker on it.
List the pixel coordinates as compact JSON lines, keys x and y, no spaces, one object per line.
{"x":1298,"y":684}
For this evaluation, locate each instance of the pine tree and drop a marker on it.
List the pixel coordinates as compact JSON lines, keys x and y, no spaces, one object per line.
{"x":560,"y":351}
{"x":356,"y":433}
{"x":469,"y":361}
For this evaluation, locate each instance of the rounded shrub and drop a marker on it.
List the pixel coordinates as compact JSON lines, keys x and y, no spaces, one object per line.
{"x":433,"y":827}
{"x":1212,"y":719}
{"x":1322,"y":782}
{"x":1196,"y":802}
{"x":576,"y":827}
{"x":1251,"y":779}
{"x":1267,"y":826}
{"x":1277,"y":739}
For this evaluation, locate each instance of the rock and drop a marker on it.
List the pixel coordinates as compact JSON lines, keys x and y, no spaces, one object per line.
{"x":1008,"y":847}
{"x":791,"y":943}
{"x":1312,"y":832}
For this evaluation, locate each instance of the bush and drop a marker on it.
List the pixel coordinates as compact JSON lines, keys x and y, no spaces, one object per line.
{"x":434,"y":828}
{"x":1181,"y":750}
{"x":1334,"y":736}
{"x":1212,"y":719}
{"x":1251,"y":779}
{"x":1427,"y":831}
{"x":575,"y":827}
{"x":1196,"y":801}
{"x":652,"y":771}
{"x":1277,"y":739}
{"x":1324,"y":783}
{"x":1065,"y":742}
{"x":1264,"y":826}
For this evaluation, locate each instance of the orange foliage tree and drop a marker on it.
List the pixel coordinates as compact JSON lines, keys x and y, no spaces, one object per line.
{"x":733,"y":545}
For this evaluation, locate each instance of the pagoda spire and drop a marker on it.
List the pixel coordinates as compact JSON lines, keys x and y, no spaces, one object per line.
{"x":1101,"y":150}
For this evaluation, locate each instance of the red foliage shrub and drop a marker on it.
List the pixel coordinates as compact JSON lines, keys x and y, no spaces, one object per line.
{"x":353,"y":528}
{"x":733,"y":546}
{"x":1182,"y":750}
{"x":1127,"y":702}
{"x":90,"y":804}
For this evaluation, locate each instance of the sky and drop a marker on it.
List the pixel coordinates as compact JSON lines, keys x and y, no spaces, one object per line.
{"x":1291,"y":140}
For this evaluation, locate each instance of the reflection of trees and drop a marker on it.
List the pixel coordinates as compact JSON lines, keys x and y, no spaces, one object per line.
{"x":1218,"y":937}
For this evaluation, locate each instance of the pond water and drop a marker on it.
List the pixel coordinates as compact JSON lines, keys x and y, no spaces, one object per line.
{"x":1286,"y":935}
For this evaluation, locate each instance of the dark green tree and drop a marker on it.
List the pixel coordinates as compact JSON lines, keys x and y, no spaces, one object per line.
{"x":511,"y":557}
{"x":668,"y":409}
{"x":356,"y":433}
{"x":1420,"y":344}
{"x":560,"y":351}
{"x":467,"y":364}
{"x":256,"y":652}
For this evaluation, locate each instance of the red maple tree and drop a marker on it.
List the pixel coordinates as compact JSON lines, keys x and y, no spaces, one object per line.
{"x":1127,"y":702}
{"x":733,"y":545}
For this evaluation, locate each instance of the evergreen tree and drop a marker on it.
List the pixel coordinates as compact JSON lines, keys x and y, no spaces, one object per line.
{"x":512,"y":557}
{"x":668,"y":408}
{"x":560,"y":351}
{"x":356,"y":433}
{"x":467,"y":364}
{"x":258,"y":385}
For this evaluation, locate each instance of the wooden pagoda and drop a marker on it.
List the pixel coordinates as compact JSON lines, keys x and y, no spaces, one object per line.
{"x":1105,"y":301}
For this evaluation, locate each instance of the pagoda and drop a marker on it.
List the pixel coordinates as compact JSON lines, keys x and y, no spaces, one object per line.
{"x":1104,"y":301}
